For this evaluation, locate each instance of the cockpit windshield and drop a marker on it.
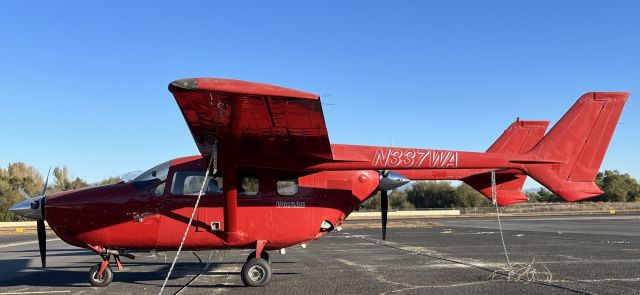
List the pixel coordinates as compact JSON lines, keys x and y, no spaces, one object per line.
{"x":153,"y":180}
{"x":158,"y":172}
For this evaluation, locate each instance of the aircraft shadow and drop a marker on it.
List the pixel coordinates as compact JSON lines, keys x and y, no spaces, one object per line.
{"x":76,"y":275}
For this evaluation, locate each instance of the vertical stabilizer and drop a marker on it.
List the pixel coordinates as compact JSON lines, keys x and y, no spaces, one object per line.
{"x":518,"y":138}
{"x":568,"y":158}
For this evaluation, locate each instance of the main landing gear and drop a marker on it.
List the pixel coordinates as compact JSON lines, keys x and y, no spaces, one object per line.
{"x":256,"y":272}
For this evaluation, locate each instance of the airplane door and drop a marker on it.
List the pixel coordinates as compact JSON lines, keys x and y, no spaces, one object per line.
{"x":177,"y":207}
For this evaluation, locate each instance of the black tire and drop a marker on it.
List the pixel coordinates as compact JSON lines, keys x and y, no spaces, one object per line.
{"x":107,"y":276}
{"x":256,"y":273}
{"x":264,"y":255}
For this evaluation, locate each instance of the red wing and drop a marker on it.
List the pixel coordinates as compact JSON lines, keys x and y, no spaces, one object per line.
{"x":270,"y":122}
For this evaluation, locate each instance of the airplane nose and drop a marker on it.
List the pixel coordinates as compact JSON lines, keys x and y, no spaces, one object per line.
{"x":30,"y":208}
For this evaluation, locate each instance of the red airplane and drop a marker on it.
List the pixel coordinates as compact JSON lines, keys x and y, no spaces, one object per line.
{"x":273,"y":180}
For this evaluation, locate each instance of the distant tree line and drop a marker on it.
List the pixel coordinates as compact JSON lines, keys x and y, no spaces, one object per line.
{"x":19,"y":175}
{"x":617,"y":187}
{"x":430,"y":194}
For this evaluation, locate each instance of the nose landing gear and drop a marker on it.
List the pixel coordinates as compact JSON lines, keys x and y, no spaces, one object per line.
{"x":101,"y":275}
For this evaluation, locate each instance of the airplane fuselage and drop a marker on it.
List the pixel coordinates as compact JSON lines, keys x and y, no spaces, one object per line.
{"x":131,"y":215}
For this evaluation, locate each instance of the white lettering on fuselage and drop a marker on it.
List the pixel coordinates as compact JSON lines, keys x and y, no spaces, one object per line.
{"x":414,"y":158}
{"x":294,"y":204}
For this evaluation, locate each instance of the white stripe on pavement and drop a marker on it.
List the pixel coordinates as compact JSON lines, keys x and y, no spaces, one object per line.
{"x":34,"y":292}
{"x":25,"y":243}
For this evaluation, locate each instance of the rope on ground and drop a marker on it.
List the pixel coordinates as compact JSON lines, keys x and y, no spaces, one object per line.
{"x":523,"y":272}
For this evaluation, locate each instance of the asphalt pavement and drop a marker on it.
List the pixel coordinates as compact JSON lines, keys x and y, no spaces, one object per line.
{"x":596,"y":254}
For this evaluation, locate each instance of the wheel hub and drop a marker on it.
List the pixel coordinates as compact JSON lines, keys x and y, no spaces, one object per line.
{"x":256,"y":273}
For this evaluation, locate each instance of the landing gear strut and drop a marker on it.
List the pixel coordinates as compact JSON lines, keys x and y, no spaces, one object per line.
{"x":264,"y":255}
{"x":256,"y":272}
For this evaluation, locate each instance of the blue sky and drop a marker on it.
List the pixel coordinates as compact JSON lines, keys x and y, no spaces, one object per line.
{"x":84,"y":83}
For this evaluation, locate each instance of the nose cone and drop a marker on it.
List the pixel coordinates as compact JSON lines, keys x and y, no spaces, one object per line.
{"x":390,"y":180}
{"x":31,"y":208}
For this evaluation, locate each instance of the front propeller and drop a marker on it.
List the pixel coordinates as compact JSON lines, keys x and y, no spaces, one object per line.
{"x":33,"y":207}
{"x":388,"y":181}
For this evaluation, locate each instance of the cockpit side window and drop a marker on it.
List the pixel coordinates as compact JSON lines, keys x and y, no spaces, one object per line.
{"x":153,"y":180}
{"x":189,"y":183}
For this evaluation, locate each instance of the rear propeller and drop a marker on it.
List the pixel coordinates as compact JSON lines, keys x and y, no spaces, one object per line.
{"x":384,"y":208}
{"x":388,"y":181}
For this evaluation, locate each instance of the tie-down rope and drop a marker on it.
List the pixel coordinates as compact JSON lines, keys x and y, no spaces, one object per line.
{"x":525,"y":272}
{"x":212,"y":163}
{"x":494,"y":198}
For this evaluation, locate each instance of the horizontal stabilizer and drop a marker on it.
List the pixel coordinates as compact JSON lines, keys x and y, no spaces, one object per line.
{"x":508,"y":186}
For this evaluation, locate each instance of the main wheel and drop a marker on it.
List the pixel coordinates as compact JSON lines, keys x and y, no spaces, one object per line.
{"x":256,"y":273}
{"x":264,"y":255}
{"x":105,"y":280}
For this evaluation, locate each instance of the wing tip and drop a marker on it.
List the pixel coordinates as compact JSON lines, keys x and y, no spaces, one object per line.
{"x":237,"y":86}
{"x":188,"y":83}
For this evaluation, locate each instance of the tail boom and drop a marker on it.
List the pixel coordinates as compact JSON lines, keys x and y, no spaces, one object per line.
{"x":566,"y":160}
{"x":518,"y":138}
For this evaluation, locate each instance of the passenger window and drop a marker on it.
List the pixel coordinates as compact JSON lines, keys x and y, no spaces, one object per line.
{"x":287,"y":186}
{"x":248,"y":186}
{"x":189,"y":183}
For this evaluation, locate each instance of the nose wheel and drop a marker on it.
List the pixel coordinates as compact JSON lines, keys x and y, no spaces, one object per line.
{"x":98,"y":279}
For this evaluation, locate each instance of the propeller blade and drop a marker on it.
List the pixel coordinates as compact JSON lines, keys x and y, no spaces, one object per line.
{"x":384,"y":207}
{"x":42,"y":242}
{"x":46,"y":183}
{"x":24,"y":194}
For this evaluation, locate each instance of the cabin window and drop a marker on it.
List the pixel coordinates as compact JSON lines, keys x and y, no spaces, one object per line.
{"x":189,"y":183}
{"x":248,"y":186}
{"x":287,"y":186}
